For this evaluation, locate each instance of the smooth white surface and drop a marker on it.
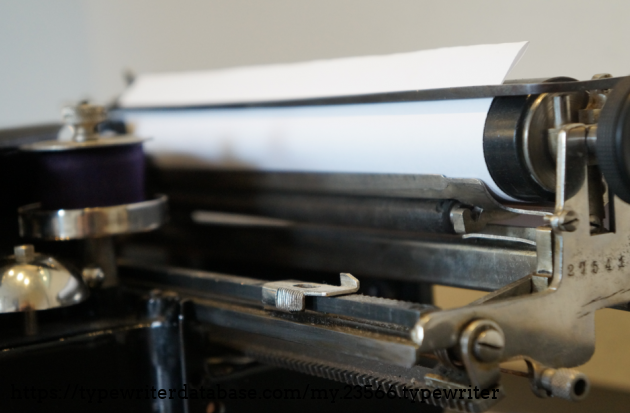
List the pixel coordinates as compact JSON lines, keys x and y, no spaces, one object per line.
{"x":440,"y":137}
{"x":425,"y":69}
{"x":410,"y":138}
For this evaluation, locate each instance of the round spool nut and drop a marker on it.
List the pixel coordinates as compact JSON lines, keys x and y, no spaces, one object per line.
{"x":83,"y":113}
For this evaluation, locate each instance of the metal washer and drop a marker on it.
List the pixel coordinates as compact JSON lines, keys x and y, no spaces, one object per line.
{"x":67,"y":224}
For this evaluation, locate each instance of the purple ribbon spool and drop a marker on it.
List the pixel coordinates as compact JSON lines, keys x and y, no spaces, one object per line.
{"x":87,"y":177}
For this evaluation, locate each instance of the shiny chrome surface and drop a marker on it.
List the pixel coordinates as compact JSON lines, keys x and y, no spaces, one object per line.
{"x":81,"y":120}
{"x":31,"y":281}
{"x":79,"y":131}
{"x":66,"y":224}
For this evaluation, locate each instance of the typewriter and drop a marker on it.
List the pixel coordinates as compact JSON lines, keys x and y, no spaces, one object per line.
{"x":132,"y":284}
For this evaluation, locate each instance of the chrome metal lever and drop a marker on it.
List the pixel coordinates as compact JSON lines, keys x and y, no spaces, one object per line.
{"x":290,"y":295}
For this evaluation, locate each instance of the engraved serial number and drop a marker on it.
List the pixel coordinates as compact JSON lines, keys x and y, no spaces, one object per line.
{"x":609,"y":264}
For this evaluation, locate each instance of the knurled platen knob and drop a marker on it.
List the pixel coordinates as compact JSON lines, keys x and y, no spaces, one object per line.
{"x":613,"y":140}
{"x":565,"y":383}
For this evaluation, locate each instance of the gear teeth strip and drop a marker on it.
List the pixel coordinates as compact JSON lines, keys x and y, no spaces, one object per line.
{"x":356,"y":378}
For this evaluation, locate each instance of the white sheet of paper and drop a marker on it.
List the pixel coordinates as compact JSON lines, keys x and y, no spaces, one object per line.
{"x":438,"y":137}
{"x":426,"y":69}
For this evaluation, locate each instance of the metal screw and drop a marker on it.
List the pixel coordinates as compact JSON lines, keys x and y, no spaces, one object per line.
{"x":93,"y":276}
{"x":24,"y":253}
{"x":417,"y":333}
{"x":565,"y":221}
{"x":488,"y":346}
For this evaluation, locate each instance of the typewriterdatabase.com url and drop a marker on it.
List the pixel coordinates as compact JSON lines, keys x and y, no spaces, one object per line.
{"x":217,"y":392}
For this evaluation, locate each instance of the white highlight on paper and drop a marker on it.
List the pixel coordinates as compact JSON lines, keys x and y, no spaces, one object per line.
{"x":437,"y":137}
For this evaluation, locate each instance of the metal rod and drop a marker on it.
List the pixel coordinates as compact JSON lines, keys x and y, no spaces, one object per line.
{"x":468,"y":92}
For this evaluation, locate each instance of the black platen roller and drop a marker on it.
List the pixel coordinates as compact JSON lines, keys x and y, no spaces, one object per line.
{"x":613,"y":140}
{"x":505,"y":149}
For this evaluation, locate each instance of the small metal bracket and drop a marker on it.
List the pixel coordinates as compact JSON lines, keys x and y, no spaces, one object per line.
{"x":290,"y":295}
{"x":467,"y":219}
